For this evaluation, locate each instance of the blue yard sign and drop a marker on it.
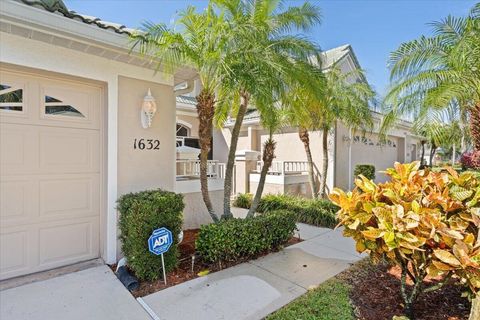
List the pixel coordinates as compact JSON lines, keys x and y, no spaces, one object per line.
{"x":160,"y":241}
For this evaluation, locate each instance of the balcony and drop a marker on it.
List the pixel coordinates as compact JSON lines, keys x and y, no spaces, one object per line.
{"x":284,"y":177}
{"x":190,"y":169}
{"x":282,"y":168}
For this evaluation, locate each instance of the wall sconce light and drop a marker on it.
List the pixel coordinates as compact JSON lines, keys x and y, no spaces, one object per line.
{"x":149,"y":108}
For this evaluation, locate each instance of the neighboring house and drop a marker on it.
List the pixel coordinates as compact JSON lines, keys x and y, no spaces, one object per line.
{"x":288,"y":173}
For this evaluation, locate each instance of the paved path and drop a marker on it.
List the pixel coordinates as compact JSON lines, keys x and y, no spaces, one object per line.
{"x":247,"y":291}
{"x":93,"y":293}
{"x":255,"y":289}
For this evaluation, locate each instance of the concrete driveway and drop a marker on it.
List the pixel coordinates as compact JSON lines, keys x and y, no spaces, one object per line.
{"x":93,"y":293}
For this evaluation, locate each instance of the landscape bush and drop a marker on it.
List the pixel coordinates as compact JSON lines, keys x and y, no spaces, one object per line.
{"x":470,"y":160}
{"x":232,"y":239}
{"x":318,"y":212}
{"x":140,"y":214}
{"x":243,"y":200}
{"x":423,"y":221}
{"x":366,"y":170}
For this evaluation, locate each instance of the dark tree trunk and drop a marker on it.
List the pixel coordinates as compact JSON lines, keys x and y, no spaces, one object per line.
{"x":268,"y":156}
{"x":205,"y":111}
{"x":231,"y":155}
{"x":305,"y":138}
{"x":475,"y":126}
{"x":433,"y":149}
{"x":323,"y":178}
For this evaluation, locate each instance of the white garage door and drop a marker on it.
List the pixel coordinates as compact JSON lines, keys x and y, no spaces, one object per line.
{"x":49,"y":172}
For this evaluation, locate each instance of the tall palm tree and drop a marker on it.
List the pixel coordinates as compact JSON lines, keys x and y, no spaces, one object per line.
{"x":436,"y":72}
{"x":266,"y":54}
{"x":200,"y":41}
{"x":271,"y":119}
{"x":346,"y":98}
{"x":303,"y":111}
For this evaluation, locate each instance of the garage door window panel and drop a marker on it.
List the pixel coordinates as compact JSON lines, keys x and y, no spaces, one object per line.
{"x":57,"y":107}
{"x":11,"y":98}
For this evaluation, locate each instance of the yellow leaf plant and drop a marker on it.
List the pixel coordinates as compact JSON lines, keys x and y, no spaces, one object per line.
{"x":423,"y":221}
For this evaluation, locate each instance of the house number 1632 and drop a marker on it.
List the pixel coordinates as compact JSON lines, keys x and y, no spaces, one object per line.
{"x":146,"y":144}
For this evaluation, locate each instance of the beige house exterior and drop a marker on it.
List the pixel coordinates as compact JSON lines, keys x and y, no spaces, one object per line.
{"x":71,"y":96}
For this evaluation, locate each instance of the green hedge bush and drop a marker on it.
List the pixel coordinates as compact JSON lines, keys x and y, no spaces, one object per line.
{"x":367,"y":170}
{"x":243,"y":200}
{"x":140,"y":214}
{"x":317,"y":212}
{"x":232,"y":239}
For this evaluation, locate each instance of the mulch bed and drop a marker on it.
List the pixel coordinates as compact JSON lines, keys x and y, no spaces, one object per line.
{"x":188,"y":269}
{"x":375,"y":294}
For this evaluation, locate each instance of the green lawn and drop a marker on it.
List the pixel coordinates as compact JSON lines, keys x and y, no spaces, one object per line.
{"x":330,"y":301}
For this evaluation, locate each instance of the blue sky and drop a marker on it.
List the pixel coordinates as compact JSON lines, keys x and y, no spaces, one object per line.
{"x":374,"y":28}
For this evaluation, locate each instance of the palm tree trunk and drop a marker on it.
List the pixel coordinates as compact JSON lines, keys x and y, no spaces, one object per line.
{"x":323,"y":178}
{"x":432,"y":153}
{"x":231,"y":155}
{"x":475,"y":126}
{"x":475,"y":309}
{"x":268,"y":156}
{"x":205,"y":111}
{"x":304,"y":137}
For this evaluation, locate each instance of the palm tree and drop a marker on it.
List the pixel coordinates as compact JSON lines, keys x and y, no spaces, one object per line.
{"x":303,"y":111}
{"x":265,"y":55}
{"x":200,"y":41}
{"x":437,"y":72}
{"x":346,"y":98}
{"x":271,"y":119}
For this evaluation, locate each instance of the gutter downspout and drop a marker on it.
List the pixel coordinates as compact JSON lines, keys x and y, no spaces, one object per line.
{"x":189,"y":88}
{"x":350,"y":177}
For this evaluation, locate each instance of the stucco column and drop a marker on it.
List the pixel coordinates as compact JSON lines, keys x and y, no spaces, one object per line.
{"x":245,"y":162}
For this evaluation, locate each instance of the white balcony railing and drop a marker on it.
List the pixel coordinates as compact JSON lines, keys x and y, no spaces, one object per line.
{"x":191,"y":169}
{"x":285,"y":167}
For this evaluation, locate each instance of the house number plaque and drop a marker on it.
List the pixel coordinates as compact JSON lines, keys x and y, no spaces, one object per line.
{"x":146,"y":144}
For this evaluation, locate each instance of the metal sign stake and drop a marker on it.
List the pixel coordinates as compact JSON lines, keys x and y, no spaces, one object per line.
{"x":163,"y":269}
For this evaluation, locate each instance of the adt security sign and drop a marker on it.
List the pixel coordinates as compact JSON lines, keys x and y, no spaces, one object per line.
{"x":160,"y":241}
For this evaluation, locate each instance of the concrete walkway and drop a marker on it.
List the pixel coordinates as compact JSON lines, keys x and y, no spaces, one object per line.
{"x":247,"y":291}
{"x":93,"y":293}
{"x":255,"y":289}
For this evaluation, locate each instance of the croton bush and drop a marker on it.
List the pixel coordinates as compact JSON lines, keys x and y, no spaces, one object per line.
{"x":471,"y":160}
{"x":423,"y":221}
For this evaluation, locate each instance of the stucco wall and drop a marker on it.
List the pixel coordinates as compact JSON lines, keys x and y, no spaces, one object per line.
{"x":192,"y":121}
{"x":145,"y":169}
{"x":195,"y":213}
{"x":363,"y":152}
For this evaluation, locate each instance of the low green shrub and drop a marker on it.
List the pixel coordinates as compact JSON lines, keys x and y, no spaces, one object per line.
{"x":317,"y":212}
{"x":232,"y":239}
{"x":243,"y":200}
{"x":367,"y":170}
{"x":140,"y":214}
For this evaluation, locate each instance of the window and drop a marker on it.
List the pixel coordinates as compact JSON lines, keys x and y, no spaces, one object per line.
{"x":11,"y":98}
{"x":54,"y":106}
{"x":182,"y":131}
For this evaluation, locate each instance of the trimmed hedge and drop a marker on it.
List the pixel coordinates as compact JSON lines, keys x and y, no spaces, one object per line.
{"x":232,"y":239}
{"x":243,"y":200}
{"x":317,"y":212}
{"x":140,"y":214}
{"x":367,"y":170}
